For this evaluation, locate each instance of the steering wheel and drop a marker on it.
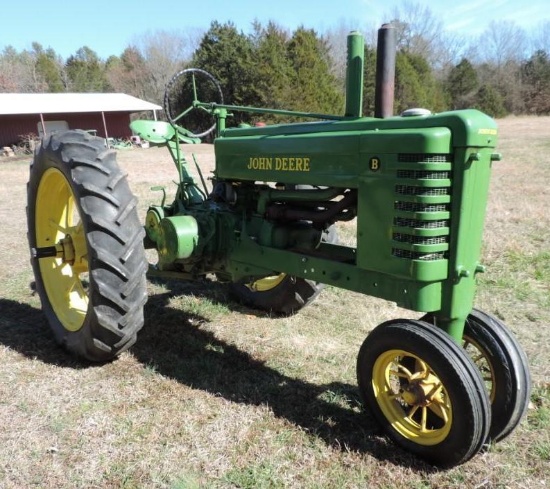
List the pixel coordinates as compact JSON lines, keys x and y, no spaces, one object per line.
{"x":183,"y":93}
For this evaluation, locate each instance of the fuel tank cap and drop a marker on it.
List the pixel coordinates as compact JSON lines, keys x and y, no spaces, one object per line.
{"x":415,"y":112}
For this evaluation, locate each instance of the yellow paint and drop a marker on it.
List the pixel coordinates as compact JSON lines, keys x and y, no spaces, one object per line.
{"x":301,"y":164}
{"x":58,"y":223}
{"x":488,"y":132}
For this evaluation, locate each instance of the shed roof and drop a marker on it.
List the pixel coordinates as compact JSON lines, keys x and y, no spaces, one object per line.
{"x":57,"y":103}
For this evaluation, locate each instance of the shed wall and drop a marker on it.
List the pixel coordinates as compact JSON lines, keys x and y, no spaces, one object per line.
{"x":13,"y":126}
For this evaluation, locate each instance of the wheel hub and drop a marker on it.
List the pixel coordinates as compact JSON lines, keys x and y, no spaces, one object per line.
{"x":422,"y":392}
{"x":71,"y":249}
{"x":74,"y":251}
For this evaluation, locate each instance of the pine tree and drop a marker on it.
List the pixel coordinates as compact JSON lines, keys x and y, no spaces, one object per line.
{"x":273,"y":79}
{"x":369,"y":81}
{"x":415,"y":84}
{"x":85,"y":71}
{"x":227,"y":54}
{"x":536,"y":82}
{"x":488,"y":100}
{"x":49,"y":67}
{"x":462,"y":84}
{"x":315,"y":88}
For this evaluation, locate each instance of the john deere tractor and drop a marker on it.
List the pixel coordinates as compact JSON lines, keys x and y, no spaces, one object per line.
{"x":442,"y":383}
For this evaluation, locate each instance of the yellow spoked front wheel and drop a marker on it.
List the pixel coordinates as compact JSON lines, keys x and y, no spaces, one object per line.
{"x":87,"y":246}
{"x":424,"y":390}
{"x":412,"y":397}
{"x":503,"y":366}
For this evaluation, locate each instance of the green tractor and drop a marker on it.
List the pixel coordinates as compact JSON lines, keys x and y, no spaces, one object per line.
{"x":442,"y":386}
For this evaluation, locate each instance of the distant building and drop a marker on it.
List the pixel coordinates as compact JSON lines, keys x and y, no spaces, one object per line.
{"x":107,"y":114}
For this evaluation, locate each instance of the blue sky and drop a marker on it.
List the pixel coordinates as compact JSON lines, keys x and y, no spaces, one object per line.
{"x":108,"y":26}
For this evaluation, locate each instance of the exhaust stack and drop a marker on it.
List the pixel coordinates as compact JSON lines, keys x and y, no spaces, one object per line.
{"x":385,"y":72}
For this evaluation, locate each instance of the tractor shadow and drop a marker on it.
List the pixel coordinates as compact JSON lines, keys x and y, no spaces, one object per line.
{"x":174,"y":344}
{"x":24,"y":329}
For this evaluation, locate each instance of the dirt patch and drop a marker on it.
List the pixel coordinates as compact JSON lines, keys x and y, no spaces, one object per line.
{"x":145,"y":164}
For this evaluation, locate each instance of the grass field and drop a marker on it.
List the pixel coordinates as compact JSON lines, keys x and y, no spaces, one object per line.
{"x":217,"y":395}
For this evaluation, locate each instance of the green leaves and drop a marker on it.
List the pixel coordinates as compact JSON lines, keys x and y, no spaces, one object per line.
{"x":86,"y":71}
{"x":270,"y":68}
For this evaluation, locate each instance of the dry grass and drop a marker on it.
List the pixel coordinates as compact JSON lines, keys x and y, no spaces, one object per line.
{"x":214,"y":395}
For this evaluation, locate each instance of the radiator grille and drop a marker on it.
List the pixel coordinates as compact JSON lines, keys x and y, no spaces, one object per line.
{"x":423,"y":158}
{"x":423,"y":174}
{"x":418,"y":207}
{"x":422,"y":206}
{"x":414,"y":255}
{"x":409,"y":190}
{"x":407,"y":238}
{"x":419,"y":223}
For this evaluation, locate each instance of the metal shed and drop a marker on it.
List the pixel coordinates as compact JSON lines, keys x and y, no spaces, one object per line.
{"x":38,"y":113}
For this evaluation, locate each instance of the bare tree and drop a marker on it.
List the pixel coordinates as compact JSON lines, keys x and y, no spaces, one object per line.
{"x":10,"y":71}
{"x":452,"y":50}
{"x":128,"y":74}
{"x":164,"y":53}
{"x":336,"y":38}
{"x":503,"y":42}
{"x":18,"y":72}
{"x":541,"y":40}
{"x":420,"y":32}
{"x":504,"y":47}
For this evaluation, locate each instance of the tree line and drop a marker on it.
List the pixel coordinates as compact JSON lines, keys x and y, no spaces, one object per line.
{"x":501,"y":72}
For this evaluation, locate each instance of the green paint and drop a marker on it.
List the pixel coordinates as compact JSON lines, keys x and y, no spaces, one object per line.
{"x":420,"y":182}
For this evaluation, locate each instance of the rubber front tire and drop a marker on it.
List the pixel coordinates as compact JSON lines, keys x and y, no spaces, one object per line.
{"x":503,"y":366}
{"x":425,"y":391}
{"x":80,"y":205}
{"x":281,"y":294}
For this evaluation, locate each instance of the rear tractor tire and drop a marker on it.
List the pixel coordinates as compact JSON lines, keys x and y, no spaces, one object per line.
{"x":86,"y":246}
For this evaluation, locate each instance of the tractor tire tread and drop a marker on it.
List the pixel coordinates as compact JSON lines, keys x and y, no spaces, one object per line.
{"x":116,"y":258}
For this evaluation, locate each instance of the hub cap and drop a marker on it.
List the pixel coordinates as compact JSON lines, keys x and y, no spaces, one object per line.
{"x":412,"y":397}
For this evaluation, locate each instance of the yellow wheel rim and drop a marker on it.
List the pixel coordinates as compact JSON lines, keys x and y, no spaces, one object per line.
{"x":266,"y":283}
{"x":412,"y":397}
{"x":57,"y":223}
{"x":481,"y":360}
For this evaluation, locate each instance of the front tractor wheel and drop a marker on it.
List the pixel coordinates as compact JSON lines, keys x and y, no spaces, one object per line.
{"x":425,"y":391}
{"x":503,"y":366}
{"x":86,"y":246}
